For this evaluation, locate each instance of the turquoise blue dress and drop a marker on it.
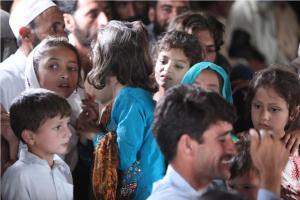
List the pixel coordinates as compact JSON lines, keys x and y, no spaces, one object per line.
{"x":139,"y":154}
{"x":191,"y":75}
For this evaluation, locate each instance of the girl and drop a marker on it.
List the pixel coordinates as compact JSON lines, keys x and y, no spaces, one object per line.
{"x":274,"y":102}
{"x":176,"y":52}
{"x":209,"y":76}
{"x":121,"y":61}
{"x":55,"y":65}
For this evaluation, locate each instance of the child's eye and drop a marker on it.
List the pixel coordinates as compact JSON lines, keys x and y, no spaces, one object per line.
{"x":53,"y":67}
{"x":256,"y":106}
{"x":57,"y":127}
{"x":163,"y":61}
{"x":73,"y":69}
{"x":275,"y":109}
{"x":179,"y":66}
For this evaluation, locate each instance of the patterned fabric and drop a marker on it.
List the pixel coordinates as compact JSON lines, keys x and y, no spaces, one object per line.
{"x":290,"y":186}
{"x":108,"y":182}
{"x":105,"y":175}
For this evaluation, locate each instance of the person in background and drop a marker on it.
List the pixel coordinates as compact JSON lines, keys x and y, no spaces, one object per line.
{"x":83,"y":18}
{"x":175,"y":53}
{"x":160,"y":13}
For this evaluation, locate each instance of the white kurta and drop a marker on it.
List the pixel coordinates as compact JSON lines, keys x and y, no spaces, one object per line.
{"x":32,"y":178}
{"x":12,"y":78}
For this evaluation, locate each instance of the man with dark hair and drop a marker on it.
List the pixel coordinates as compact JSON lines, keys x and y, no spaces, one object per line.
{"x":193,"y":129}
{"x":83,"y":18}
{"x":160,"y":13}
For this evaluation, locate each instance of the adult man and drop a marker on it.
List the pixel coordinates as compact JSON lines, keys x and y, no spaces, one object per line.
{"x":193,"y":129}
{"x":31,"y":21}
{"x":83,"y":18}
{"x":161,"y":12}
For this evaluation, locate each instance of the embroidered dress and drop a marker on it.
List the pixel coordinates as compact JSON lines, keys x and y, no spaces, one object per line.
{"x":140,"y":160}
{"x":290,"y":186}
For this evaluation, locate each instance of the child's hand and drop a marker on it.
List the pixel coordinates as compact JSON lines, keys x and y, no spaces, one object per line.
{"x":86,"y":123}
{"x":292,"y":141}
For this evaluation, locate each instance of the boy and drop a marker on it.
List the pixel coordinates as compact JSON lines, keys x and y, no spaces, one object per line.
{"x":40,"y":118}
{"x":244,"y":175}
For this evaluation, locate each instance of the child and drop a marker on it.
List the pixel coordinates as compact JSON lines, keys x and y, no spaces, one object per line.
{"x":176,"y":52}
{"x":122,"y":62}
{"x":55,"y":65}
{"x":274,"y":101}
{"x":244,"y":177}
{"x":211,"y":77}
{"x":40,"y":118}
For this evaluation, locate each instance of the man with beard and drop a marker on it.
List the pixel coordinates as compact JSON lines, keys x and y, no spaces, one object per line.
{"x":198,"y":145}
{"x":83,"y":18}
{"x":31,"y":21}
{"x":161,"y":12}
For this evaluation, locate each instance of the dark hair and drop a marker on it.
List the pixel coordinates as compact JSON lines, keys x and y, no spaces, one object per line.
{"x":217,"y":194}
{"x":122,"y":50}
{"x":242,"y":163}
{"x":192,"y":22}
{"x":186,"y":109}
{"x":181,"y":40}
{"x":284,"y":82}
{"x":33,"y":107}
{"x":42,"y":49}
{"x":69,"y":6}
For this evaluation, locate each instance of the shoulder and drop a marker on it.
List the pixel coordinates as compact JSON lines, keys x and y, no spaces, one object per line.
{"x":18,"y":172}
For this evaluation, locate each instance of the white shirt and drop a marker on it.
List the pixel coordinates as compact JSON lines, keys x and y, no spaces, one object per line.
{"x":12,"y":78}
{"x":32,"y":178}
{"x":173,"y":186}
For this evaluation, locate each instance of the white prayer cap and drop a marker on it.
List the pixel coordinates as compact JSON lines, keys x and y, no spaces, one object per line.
{"x":25,"y":11}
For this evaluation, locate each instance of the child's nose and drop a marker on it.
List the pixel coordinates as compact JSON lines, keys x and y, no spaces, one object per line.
{"x":265,"y":115}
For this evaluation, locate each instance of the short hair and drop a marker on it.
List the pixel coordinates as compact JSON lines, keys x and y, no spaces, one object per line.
{"x":33,"y":107}
{"x":242,"y":163}
{"x":69,"y":6}
{"x":122,"y":50}
{"x":192,"y":22}
{"x":181,"y":40}
{"x":49,"y":42}
{"x":284,"y":82}
{"x":186,"y":109}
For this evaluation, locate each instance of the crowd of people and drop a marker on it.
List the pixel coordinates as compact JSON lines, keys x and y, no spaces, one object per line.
{"x":150,"y":100}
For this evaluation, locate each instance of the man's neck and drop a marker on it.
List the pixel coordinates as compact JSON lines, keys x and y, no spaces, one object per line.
{"x":187,"y":173}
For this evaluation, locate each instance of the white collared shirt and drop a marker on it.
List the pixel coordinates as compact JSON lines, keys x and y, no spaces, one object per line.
{"x":32,"y":178}
{"x":174,"y":186}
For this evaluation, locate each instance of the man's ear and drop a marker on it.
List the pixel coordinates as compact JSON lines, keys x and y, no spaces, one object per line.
{"x":28,"y":137}
{"x":185,"y":145}
{"x":25,"y":33}
{"x":69,"y":22}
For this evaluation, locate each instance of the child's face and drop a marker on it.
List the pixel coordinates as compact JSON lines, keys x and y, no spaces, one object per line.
{"x":208,"y":80}
{"x":58,"y":71}
{"x":269,"y":111}
{"x":170,"y":67}
{"x":247,"y":184}
{"x":52,"y":137}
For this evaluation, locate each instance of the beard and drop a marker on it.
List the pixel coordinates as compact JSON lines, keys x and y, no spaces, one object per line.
{"x":85,"y":38}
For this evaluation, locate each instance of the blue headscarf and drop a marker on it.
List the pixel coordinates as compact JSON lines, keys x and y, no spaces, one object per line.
{"x":191,"y":75}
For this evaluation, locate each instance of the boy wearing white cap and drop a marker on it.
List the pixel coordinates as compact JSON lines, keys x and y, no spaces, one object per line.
{"x":31,"y":21}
